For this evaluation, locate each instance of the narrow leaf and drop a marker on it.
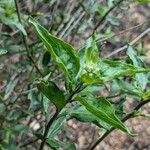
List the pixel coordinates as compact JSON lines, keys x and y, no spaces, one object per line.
{"x":83,"y":115}
{"x":64,"y":54}
{"x":104,"y":111}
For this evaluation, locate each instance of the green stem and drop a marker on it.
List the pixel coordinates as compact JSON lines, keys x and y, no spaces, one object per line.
{"x":47,"y":129}
{"x":77,"y":90}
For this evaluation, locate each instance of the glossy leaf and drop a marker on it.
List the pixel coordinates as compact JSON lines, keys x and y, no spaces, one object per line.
{"x":52,"y":92}
{"x":64,"y":54}
{"x":137,"y":62}
{"x":104,"y":111}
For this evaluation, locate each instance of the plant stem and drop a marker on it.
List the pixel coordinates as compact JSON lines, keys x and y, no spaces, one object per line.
{"x":25,"y":41}
{"x":77,"y":90}
{"x":47,"y":129}
{"x":130,"y":115}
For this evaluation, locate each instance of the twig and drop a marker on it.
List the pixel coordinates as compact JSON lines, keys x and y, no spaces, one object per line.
{"x":47,"y":129}
{"x":130,"y":115}
{"x":77,"y":90}
{"x":25,"y":41}
{"x":122,"y":32}
{"x":131,"y":43}
{"x":106,"y":14}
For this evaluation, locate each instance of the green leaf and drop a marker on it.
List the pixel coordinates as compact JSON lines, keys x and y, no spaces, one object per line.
{"x":12,"y":21}
{"x":19,"y":128}
{"x":52,"y":92}
{"x":142,"y":78}
{"x":107,"y":70}
{"x":114,"y":69}
{"x":83,"y":115}
{"x":1,"y":147}
{"x":64,"y":54}
{"x":104,"y":111}
{"x":57,"y":126}
{"x":143,"y":1}
{"x":54,"y":144}
{"x":102,"y":10}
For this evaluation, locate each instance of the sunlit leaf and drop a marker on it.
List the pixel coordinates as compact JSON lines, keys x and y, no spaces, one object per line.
{"x":84,"y":115}
{"x":64,"y":54}
{"x":104,"y":111}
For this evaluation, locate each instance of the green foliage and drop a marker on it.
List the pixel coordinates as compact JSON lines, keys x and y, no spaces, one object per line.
{"x":81,"y":84}
{"x":93,"y":70}
{"x":104,"y":111}
{"x":61,"y":51}
{"x":52,"y":92}
{"x":8,"y":15}
{"x":142,"y":78}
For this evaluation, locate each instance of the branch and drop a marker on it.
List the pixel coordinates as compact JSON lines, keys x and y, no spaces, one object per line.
{"x":126,"y":46}
{"x":47,"y":129}
{"x":25,"y":41}
{"x":77,"y":90}
{"x":106,"y":14}
{"x":130,"y":115}
{"x":123,"y":31}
